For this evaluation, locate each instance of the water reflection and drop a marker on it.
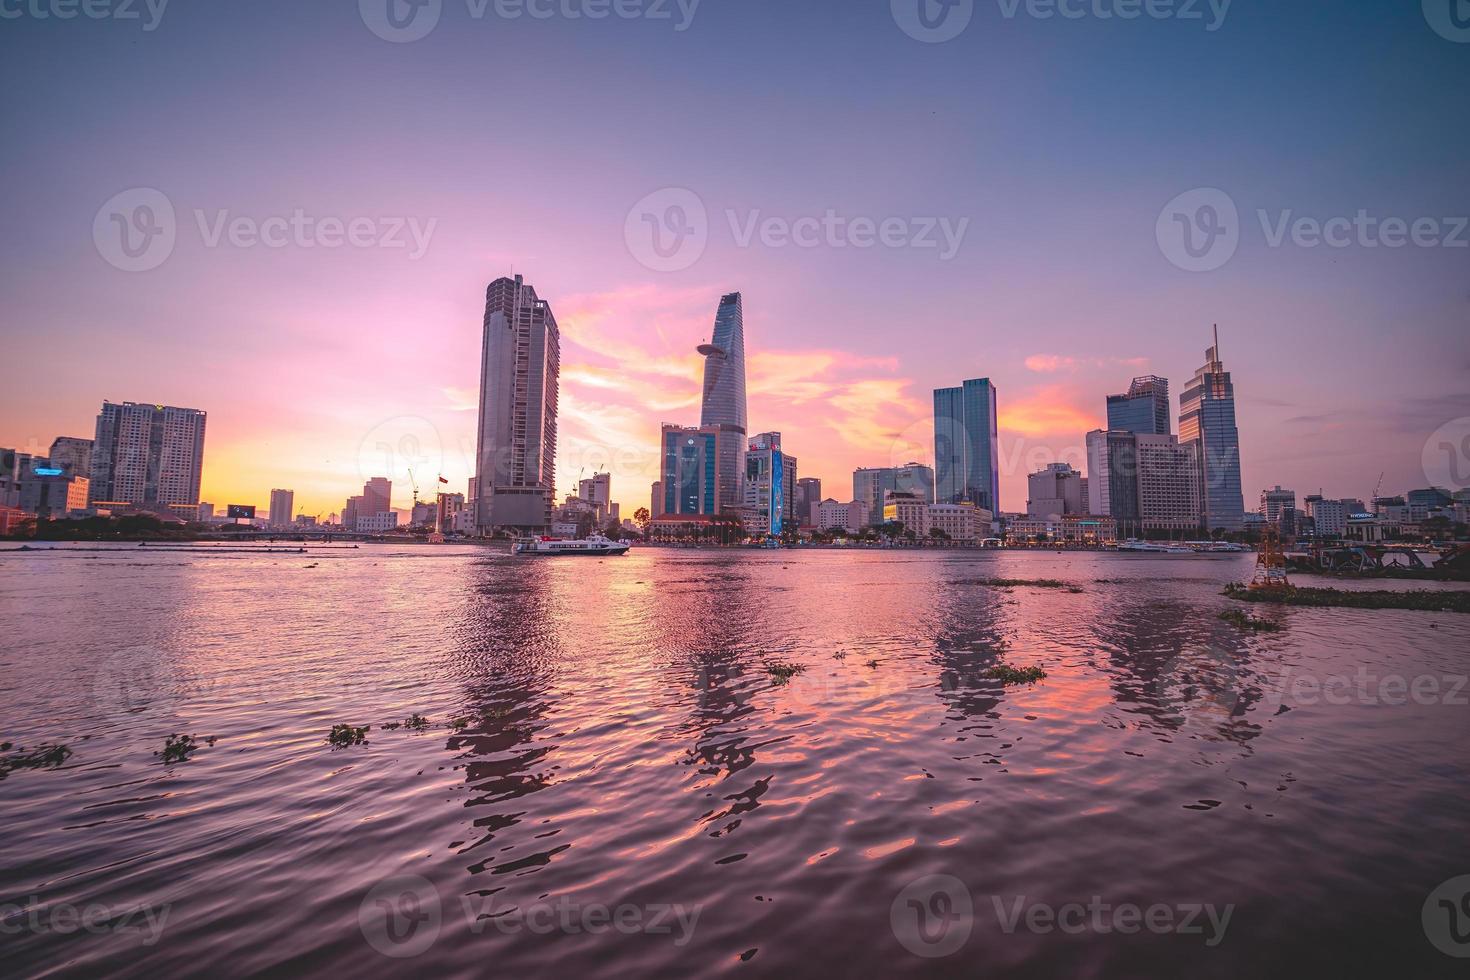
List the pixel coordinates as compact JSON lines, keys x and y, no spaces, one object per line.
{"x":608,"y":732}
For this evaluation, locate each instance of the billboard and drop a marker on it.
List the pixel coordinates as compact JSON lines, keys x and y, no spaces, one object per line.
{"x":247,"y":511}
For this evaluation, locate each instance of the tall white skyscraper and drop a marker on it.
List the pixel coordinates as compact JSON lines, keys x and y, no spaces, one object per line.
{"x":515,"y":476}
{"x":282,"y":502}
{"x":148,"y":456}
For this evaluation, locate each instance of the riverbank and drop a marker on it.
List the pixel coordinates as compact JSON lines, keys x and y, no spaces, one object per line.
{"x":1423,"y":600}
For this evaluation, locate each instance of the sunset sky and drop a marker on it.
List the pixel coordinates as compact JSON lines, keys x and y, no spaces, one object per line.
{"x":522,"y":145}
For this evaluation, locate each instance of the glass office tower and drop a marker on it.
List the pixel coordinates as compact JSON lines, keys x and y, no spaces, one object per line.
{"x":967,"y":445}
{"x":723,"y":404}
{"x":1207,"y":419}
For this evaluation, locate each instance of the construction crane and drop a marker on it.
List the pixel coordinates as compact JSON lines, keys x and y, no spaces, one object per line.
{"x":1376,"y":487}
{"x":415,"y":484}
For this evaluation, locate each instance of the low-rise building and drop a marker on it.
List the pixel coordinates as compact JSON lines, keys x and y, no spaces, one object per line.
{"x":1077,"y":530}
{"x":851,"y":517}
{"x":964,"y":523}
{"x":385,"y":520}
{"x":908,"y":509}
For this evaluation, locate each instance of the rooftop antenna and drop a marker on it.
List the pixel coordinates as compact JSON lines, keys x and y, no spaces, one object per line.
{"x":1217,"y":341}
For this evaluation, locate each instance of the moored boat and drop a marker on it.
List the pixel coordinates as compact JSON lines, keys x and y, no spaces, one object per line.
{"x":594,"y":545}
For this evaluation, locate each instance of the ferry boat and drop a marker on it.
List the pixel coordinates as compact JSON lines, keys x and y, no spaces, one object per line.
{"x":595,"y":545}
{"x":1155,"y":547}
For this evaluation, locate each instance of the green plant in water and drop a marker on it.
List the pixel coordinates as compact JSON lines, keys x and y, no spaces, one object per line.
{"x":1009,"y":675}
{"x":459,"y":724}
{"x":416,"y":721}
{"x":45,"y":757}
{"x":176,"y":748}
{"x":1245,"y":621}
{"x":341,"y":736}
{"x":782,"y":673}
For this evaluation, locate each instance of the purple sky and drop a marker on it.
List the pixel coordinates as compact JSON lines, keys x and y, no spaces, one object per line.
{"x":1055,"y":144}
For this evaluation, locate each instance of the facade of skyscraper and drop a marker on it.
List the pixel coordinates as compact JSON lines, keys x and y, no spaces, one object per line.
{"x":1144,"y":409}
{"x":282,"y":502}
{"x":808,"y":497}
{"x":1207,"y":419}
{"x":770,"y":485}
{"x":1168,"y":483}
{"x":520,"y":367}
{"x":722,"y":405}
{"x":869,"y":484}
{"x":967,"y":445}
{"x":1144,"y":481}
{"x":148,"y":456}
{"x":1055,"y":491}
{"x":690,"y":480}
{"x":1112,"y":477}
{"x":73,"y":455}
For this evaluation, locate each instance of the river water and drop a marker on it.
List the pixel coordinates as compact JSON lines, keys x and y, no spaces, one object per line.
{"x":611,"y":780}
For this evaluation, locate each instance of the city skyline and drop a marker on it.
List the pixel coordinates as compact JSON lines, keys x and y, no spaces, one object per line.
{"x":1347,"y":358}
{"x":1022,"y":457}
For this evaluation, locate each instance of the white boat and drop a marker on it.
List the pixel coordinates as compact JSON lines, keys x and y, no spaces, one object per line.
{"x":1155,"y":547}
{"x":594,"y":545}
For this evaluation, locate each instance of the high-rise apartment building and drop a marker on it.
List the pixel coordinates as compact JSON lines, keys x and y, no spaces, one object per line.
{"x":1329,"y":517}
{"x":149,"y":456}
{"x":770,"y":485}
{"x":967,"y":445}
{"x":869,"y":484}
{"x":1207,"y":419}
{"x":520,"y":367}
{"x":1168,"y":483}
{"x":1144,"y":409}
{"x":282,"y":502}
{"x":722,"y":405}
{"x":1143,"y":481}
